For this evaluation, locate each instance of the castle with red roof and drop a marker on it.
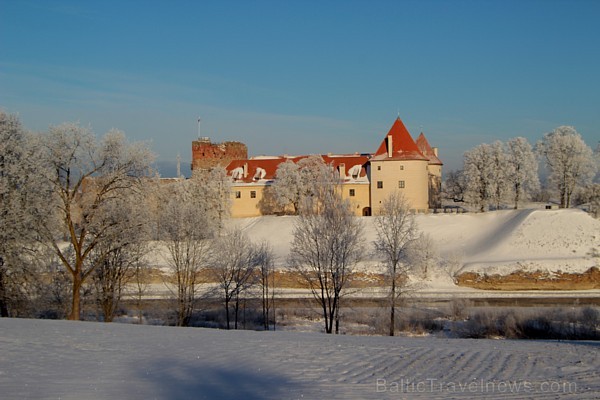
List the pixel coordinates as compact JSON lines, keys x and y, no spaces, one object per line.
{"x":400,"y":164}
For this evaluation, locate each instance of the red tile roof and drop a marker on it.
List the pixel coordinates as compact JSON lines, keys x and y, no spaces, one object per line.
{"x":403,"y":145}
{"x":426,"y":149}
{"x":270,"y":165}
{"x":403,"y":148}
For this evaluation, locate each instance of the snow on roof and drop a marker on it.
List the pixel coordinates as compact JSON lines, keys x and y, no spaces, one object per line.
{"x":266,"y":168}
{"x":264,"y":157}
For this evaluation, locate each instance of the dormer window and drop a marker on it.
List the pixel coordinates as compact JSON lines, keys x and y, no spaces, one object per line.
{"x":260,"y":174}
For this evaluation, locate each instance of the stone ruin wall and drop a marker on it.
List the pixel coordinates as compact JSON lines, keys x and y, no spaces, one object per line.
{"x":206,"y":155}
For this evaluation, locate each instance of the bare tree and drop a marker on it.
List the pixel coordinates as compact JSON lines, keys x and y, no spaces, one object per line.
{"x":569,"y":159}
{"x":186,"y":231}
{"x":396,"y":229}
{"x":455,"y":186}
{"x":265,"y":262}
{"x":86,"y":176}
{"x":234,"y":266}
{"x":327,"y":244}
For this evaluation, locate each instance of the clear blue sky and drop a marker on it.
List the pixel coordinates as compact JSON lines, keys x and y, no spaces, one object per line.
{"x":304,"y":76}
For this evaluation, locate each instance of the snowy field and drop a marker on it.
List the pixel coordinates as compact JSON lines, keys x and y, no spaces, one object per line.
{"x":42,"y":359}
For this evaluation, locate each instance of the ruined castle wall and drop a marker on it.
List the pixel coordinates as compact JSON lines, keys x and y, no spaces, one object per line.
{"x":206,"y":155}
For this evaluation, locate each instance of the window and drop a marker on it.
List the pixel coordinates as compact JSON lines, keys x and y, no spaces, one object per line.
{"x":401,"y":184}
{"x":352,"y":193}
{"x":238,"y":194}
{"x":379,"y":184}
{"x":379,"y":168}
{"x":252,"y":194}
{"x":401,"y":167}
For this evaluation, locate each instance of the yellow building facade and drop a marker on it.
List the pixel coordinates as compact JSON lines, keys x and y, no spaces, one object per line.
{"x":400,"y":165}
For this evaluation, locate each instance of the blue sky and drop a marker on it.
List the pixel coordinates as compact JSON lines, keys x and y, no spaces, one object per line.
{"x":301,"y":77}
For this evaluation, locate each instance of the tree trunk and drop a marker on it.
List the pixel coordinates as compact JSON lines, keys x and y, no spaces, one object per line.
{"x":3,"y":297}
{"x":76,"y":304}
{"x":236,"y":307}
{"x":265,"y":304}
{"x":337,"y":319}
{"x":227,"y":311}
{"x":393,"y":306}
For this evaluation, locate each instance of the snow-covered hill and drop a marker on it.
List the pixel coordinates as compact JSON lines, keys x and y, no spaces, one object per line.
{"x":498,"y":241}
{"x":41,"y":359}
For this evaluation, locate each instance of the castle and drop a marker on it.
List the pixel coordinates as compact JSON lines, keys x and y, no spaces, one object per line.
{"x":400,"y":164}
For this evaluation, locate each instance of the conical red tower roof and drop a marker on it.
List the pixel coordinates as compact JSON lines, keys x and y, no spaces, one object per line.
{"x":402,"y":145}
{"x":426,"y":149}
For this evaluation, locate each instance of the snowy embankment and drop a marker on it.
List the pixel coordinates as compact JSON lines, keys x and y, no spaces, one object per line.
{"x":84,"y":360}
{"x":530,"y":238}
{"x":498,"y":242}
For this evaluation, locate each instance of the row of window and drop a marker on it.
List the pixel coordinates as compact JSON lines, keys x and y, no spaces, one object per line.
{"x":401,"y":184}
{"x":238,"y":194}
{"x":401,"y":168}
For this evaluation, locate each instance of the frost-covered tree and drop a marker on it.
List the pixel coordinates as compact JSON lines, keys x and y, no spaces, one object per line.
{"x":422,"y":254}
{"x":187,"y":229}
{"x":297,"y":181}
{"x":23,"y":195}
{"x":396,"y":229}
{"x":569,"y":160}
{"x":522,"y":169}
{"x":287,"y":188}
{"x":498,"y":169}
{"x":86,"y":176}
{"x":327,"y":244}
{"x":478,"y":173}
{"x":217,"y":197}
{"x":591,"y":195}
{"x":122,"y":258}
{"x":234,"y":265}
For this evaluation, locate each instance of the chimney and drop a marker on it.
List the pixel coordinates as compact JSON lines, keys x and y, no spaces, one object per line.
{"x":389,"y":146}
{"x":435,"y":151}
{"x":245,"y":170}
{"x":342,"y":171}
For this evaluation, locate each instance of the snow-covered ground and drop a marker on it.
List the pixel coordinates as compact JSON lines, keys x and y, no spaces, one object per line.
{"x":42,"y":359}
{"x":535,"y":238}
{"x":497,"y":242}
{"x":82,"y":360}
